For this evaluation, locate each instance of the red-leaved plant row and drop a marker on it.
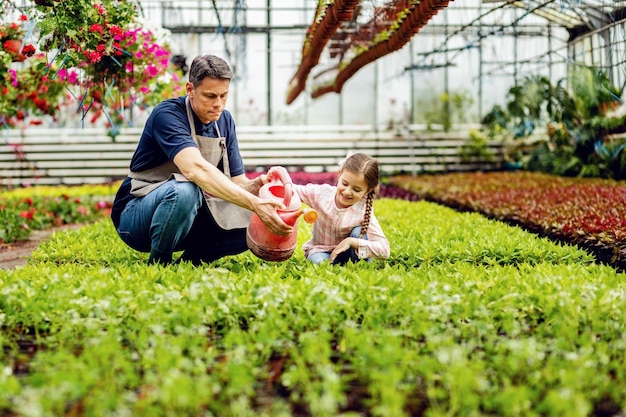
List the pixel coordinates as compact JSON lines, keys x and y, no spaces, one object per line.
{"x":584,"y":211}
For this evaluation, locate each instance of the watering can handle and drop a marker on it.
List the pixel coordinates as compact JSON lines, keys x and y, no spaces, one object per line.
{"x":282,"y":174}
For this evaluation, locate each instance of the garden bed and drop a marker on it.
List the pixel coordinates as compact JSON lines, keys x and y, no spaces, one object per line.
{"x":468,"y":316}
{"x":587,"y":212}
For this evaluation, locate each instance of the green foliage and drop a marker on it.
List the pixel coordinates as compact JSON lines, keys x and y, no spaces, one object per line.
{"x":468,"y":316}
{"x":476,"y":148}
{"x":562,"y":129}
{"x":445,"y":110}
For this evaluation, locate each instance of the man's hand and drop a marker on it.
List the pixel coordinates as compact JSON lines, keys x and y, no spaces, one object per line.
{"x":266,"y":210}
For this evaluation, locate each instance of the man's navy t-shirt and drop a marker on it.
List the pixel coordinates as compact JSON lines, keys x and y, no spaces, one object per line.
{"x":166,"y":133}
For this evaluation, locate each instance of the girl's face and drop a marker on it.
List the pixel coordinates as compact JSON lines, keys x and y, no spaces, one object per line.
{"x":351,"y":187}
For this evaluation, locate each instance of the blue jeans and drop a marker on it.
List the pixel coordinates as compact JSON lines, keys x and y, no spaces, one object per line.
{"x":174,"y":217}
{"x":343,"y":258}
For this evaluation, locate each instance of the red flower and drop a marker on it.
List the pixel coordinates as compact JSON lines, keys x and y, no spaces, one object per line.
{"x":28,"y":50}
{"x":116,"y":31}
{"x":96,"y":27}
{"x":26,"y":215}
{"x":117,"y":49}
{"x":28,"y":201}
{"x":93,"y":56}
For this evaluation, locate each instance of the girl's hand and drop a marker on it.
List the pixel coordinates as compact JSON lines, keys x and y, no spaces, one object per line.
{"x":265,"y":178}
{"x":271,"y":172}
{"x":344,"y":245}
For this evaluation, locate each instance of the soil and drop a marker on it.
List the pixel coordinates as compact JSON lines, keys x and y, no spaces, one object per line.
{"x":17,"y":254}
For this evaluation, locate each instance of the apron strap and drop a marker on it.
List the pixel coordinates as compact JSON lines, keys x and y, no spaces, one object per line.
{"x":222,"y":141}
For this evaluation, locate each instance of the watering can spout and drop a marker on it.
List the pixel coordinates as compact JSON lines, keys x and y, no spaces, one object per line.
{"x":308,"y":214}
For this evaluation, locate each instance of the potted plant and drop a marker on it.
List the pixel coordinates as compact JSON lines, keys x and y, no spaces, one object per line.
{"x":551,"y":128}
{"x":83,"y":31}
{"x":30,"y":94}
{"x":106,"y":57}
{"x":14,"y":73}
{"x":11,"y":41}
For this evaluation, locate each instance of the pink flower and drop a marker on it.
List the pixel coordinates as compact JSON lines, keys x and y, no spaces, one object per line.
{"x":13,"y":77}
{"x":100,"y":8}
{"x":72,"y":77}
{"x":129,"y":67}
{"x":145,"y":89}
{"x":139,"y":54}
{"x":152,"y":70}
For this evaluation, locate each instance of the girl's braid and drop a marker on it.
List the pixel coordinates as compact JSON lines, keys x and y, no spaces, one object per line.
{"x":368,"y":211}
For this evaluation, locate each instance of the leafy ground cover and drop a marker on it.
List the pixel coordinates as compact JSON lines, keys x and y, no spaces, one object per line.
{"x":24,"y":210}
{"x":469,"y":316}
{"x":587,"y":212}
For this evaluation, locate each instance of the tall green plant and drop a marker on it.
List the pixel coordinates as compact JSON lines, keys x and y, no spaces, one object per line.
{"x":562,"y":128}
{"x":446,"y":109}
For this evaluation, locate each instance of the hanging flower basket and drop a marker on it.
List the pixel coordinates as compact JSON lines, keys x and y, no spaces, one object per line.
{"x":11,"y":43}
{"x":105,"y":58}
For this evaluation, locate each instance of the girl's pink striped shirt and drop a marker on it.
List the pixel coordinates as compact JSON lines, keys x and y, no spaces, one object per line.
{"x":334,"y":224}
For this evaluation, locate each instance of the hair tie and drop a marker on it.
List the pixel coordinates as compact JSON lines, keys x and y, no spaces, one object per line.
{"x":343,"y":161}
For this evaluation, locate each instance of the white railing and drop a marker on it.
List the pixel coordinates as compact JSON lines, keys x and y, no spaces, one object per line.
{"x":89,"y":155}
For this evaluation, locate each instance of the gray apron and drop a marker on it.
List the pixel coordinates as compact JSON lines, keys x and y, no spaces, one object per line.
{"x":227,"y":215}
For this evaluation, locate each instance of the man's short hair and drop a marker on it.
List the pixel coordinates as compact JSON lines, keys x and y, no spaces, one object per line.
{"x":210,"y":66}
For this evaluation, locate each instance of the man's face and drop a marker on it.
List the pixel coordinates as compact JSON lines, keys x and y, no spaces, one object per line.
{"x":209,"y":98}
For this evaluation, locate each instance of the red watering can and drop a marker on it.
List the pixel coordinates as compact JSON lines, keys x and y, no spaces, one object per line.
{"x":265,"y":244}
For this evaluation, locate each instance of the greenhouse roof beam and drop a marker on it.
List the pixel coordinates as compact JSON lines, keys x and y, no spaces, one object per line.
{"x":571,"y":14}
{"x":567,"y":17}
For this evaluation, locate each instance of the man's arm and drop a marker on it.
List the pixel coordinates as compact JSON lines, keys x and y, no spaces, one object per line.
{"x":250,"y":185}
{"x":196,"y":169}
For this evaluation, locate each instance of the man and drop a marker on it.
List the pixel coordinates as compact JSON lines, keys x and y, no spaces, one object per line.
{"x":187,"y":189}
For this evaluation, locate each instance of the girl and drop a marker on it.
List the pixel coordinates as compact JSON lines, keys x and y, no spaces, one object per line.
{"x":346,"y":229}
